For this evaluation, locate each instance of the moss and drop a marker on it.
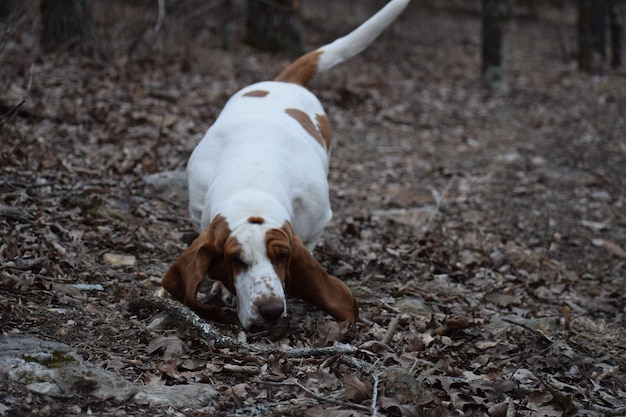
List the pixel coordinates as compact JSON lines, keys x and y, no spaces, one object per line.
{"x":56,"y":359}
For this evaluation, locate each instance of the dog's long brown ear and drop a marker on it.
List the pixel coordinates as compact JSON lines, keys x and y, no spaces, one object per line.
{"x":184,"y":276}
{"x":308,"y":281}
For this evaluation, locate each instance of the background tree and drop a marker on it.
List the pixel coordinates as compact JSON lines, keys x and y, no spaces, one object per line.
{"x":617,"y":31}
{"x":492,"y":61}
{"x":274,"y":25}
{"x":595,"y":19}
{"x":65,"y":23}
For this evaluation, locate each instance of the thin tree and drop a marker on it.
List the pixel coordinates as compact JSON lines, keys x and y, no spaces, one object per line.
{"x":595,"y":19}
{"x":274,"y":25}
{"x":492,"y":59}
{"x":66,"y":23}
{"x":617,"y":31}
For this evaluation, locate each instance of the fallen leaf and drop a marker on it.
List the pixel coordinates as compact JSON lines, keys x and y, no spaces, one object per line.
{"x":397,"y":407}
{"x":593,"y":226}
{"x":172,"y":345}
{"x":330,"y":412}
{"x":611,"y":247}
{"x":118,"y":261}
{"x":356,"y":390}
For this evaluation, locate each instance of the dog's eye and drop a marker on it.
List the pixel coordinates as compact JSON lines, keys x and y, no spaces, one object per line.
{"x":280,"y":258}
{"x":237,"y":261}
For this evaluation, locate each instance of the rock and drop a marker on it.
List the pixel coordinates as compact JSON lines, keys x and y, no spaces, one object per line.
{"x":413,"y":216}
{"x":413,"y":305}
{"x":177,"y":396}
{"x":166,"y":181}
{"x":54,"y":369}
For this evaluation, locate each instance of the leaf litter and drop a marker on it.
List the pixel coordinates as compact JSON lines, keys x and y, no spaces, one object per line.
{"x":483,"y":233}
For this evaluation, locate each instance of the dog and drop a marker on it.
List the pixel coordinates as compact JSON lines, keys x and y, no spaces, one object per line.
{"x":258,"y":194}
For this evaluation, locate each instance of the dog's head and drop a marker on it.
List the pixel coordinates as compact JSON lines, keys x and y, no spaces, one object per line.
{"x":259,"y":263}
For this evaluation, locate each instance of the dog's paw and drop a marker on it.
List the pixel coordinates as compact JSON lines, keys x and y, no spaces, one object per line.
{"x":218,"y":290}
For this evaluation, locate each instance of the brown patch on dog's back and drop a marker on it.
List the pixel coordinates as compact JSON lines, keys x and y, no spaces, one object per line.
{"x":302,"y":70}
{"x":256,"y":220}
{"x":307,"y":124}
{"x":324,"y":128}
{"x":256,"y":93}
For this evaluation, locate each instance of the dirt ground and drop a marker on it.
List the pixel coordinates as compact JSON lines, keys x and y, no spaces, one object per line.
{"x":483,"y":233}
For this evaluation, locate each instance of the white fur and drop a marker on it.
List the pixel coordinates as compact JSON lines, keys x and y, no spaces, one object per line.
{"x":257,"y":160}
{"x":356,"y":41}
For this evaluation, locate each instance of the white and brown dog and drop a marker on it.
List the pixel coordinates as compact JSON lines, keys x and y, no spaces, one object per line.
{"x":258,"y":194}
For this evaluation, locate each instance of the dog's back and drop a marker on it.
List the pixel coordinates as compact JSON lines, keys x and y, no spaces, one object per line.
{"x":258,"y":194}
{"x":273,"y":138}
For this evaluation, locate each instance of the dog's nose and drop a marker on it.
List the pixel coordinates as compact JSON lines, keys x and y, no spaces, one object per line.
{"x":271,"y":311}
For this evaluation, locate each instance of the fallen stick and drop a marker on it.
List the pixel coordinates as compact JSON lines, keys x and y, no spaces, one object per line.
{"x":220,"y":341}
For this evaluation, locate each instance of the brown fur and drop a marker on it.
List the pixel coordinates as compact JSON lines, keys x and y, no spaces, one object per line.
{"x":256,"y":93}
{"x":215,"y":251}
{"x":302,"y":70}
{"x":307,"y":124}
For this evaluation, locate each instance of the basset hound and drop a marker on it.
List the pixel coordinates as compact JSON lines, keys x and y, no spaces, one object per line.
{"x":258,"y":194}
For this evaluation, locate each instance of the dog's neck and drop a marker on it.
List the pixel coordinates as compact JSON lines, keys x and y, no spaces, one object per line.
{"x":251,"y":206}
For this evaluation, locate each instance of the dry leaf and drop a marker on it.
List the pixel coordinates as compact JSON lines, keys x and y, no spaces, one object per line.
{"x":119,"y":261}
{"x":356,"y":390}
{"x":330,"y":412}
{"x":172,"y":346}
{"x":611,"y":247}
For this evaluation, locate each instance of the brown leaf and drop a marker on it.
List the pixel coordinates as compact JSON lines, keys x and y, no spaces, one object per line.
{"x":356,"y":390}
{"x":172,"y":345}
{"x":330,"y":412}
{"x":398,"y":408}
{"x":117,"y":260}
{"x":170,"y":369}
{"x":331,"y":331}
{"x":503,"y":300}
{"x":611,"y":247}
{"x":68,"y":290}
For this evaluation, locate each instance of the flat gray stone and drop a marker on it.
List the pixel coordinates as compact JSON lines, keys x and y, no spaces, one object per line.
{"x":177,"y":396}
{"x":56,"y":370}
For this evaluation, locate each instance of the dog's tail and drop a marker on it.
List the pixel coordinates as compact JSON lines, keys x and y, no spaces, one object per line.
{"x":322,"y":59}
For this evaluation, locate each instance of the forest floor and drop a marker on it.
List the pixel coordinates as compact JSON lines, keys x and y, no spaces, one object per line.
{"x":483,"y":233}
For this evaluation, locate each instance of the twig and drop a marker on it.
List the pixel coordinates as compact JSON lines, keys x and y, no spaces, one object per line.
{"x":160,"y":17}
{"x":220,"y":341}
{"x":312,"y":394}
{"x":439,"y":197}
{"x":391,"y":331}
{"x":541,"y":335}
{"x":336,"y":349}
{"x":606,"y":411}
{"x":355,"y":362}
{"x":607,"y":373}
{"x":187,"y":316}
{"x":510,"y":408}
{"x":374,"y":405}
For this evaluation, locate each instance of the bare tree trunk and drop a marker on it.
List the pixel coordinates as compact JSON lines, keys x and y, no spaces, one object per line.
{"x":274,"y":25}
{"x":617,"y":31}
{"x":11,"y":13}
{"x":492,"y":61}
{"x":66,"y":23}
{"x":227,"y":25}
{"x":592,"y":33}
{"x":584,"y":35}
{"x":8,"y":7}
